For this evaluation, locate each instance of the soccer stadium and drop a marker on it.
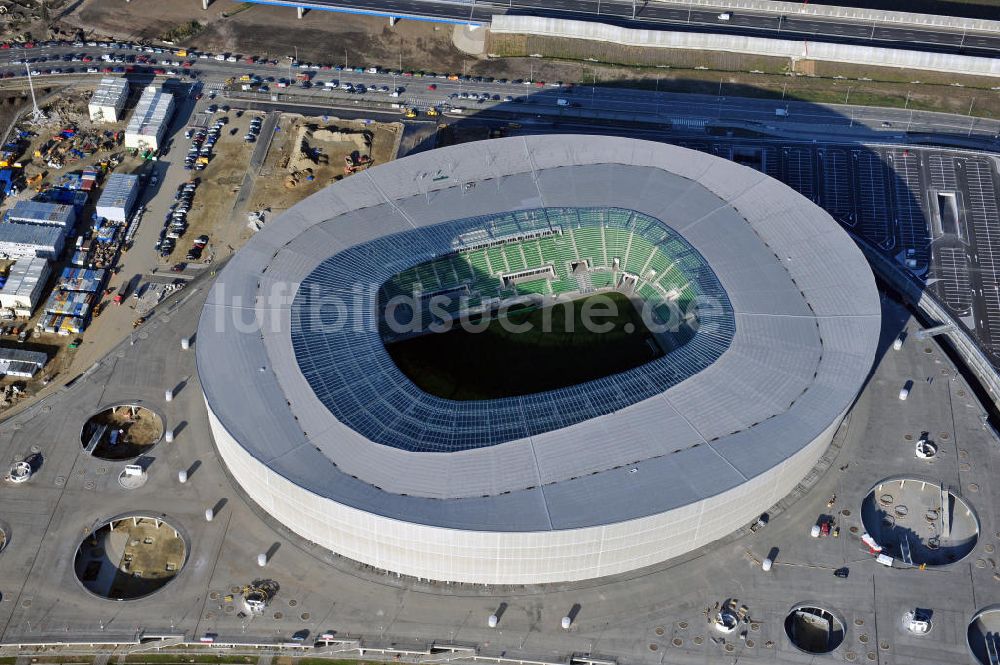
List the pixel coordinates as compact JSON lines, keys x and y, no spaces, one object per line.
{"x":367,"y":388}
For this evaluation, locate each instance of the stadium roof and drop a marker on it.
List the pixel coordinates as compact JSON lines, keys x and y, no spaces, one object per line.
{"x":803,"y":299}
{"x":339,"y":361}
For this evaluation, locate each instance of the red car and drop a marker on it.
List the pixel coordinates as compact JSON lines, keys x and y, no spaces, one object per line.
{"x":159,"y":72}
{"x":432,"y":86}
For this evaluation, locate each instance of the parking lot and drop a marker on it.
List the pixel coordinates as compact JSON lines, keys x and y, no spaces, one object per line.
{"x":892,"y":197}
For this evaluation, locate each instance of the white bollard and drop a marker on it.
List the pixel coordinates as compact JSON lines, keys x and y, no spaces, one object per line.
{"x":493,"y":621}
{"x":185,"y":343}
{"x":209,"y":514}
{"x":168,"y":395}
{"x":168,"y":436}
{"x":566,"y":623}
{"x":182,"y":476}
{"x":262,"y":559}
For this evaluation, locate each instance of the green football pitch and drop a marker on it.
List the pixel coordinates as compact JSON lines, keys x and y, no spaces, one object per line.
{"x":555,"y":350}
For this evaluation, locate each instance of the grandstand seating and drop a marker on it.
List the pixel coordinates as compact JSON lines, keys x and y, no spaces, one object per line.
{"x":663,"y":263}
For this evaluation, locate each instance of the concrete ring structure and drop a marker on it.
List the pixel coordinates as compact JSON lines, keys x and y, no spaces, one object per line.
{"x":319,"y":427}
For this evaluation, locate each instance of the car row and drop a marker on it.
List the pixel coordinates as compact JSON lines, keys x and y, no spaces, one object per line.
{"x":175,"y":221}
{"x":254,"y":131}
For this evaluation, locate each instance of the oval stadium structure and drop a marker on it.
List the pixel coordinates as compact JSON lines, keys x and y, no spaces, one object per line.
{"x":321,"y":427}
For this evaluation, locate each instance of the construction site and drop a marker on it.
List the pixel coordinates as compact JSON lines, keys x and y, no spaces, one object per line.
{"x":105,"y":258}
{"x":307,"y":154}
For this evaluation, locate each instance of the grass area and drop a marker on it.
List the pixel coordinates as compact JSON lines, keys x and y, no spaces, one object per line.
{"x":675,"y":70}
{"x":833,"y":92}
{"x":554,"y":350}
{"x":182,"y":32}
{"x":182,"y":659}
{"x":51,"y":660}
{"x":243,"y":6}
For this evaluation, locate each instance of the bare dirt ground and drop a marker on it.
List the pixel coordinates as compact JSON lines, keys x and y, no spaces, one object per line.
{"x":270,"y":190}
{"x":746,"y":76}
{"x":359,"y":40}
{"x":219,"y":183}
{"x":276,"y":32}
{"x":141,"y":428}
{"x":145,"y":555}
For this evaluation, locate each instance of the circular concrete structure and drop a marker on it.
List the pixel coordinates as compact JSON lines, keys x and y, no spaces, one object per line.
{"x":320,"y":428}
{"x":812,"y":628}
{"x":130,"y":557}
{"x":983,"y":635}
{"x":121,"y":432}
{"x":920,"y":522}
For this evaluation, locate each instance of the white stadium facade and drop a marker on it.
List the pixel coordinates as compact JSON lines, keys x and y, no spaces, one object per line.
{"x":320,"y":428}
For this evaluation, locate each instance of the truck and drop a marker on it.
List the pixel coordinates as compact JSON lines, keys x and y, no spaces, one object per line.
{"x":126,"y":288}
{"x":562,"y":102}
{"x":781,"y":113}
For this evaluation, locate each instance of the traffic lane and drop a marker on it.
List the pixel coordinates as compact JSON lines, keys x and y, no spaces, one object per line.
{"x":847,"y":33}
{"x":628,"y":100}
{"x":605,"y":98}
{"x":624,"y":100}
{"x":744,"y":23}
{"x":884,"y":124}
{"x":804,"y":27}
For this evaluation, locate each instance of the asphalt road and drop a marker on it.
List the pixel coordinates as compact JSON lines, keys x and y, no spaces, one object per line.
{"x":649,"y":15}
{"x":539,"y":100}
{"x":592,"y":102}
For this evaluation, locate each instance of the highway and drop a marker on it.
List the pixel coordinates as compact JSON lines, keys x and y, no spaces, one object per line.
{"x":650,"y":15}
{"x":534,"y":101}
{"x":524,"y":99}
